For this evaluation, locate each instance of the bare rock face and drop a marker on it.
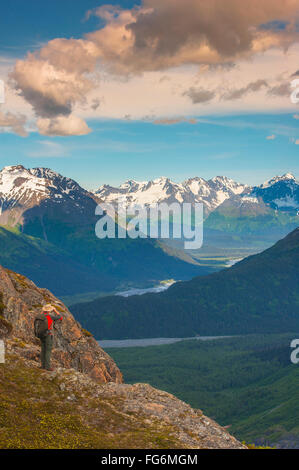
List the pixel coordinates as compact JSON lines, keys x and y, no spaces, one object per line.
{"x":142,"y":403}
{"x":74,"y":347}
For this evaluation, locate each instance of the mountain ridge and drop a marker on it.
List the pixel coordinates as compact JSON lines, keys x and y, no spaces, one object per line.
{"x":212,"y":193}
{"x":229,"y":302}
{"x":59,"y":214}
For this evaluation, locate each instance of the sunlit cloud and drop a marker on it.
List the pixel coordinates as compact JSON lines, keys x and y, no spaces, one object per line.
{"x":160,"y":59}
{"x":63,"y":126}
{"x":13,"y":123}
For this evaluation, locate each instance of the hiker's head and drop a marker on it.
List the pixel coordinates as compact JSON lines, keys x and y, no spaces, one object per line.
{"x":48,"y":308}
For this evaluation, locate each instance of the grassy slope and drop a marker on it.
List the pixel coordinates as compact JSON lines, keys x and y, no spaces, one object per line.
{"x":258,"y":295}
{"x":248,"y":383}
{"x":36,"y":414}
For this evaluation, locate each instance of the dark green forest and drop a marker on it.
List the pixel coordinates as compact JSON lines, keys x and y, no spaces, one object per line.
{"x":247,"y":383}
{"x":257,"y":295}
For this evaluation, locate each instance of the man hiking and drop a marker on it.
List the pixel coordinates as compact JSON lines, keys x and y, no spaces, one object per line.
{"x":43,"y":328}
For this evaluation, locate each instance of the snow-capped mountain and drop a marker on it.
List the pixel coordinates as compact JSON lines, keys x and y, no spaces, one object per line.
{"x":214,"y":192}
{"x":143,"y":192}
{"x":219,"y":193}
{"x":56,"y":243}
{"x":281,"y":192}
{"x":211,"y":193}
{"x":22,"y":189}
{"x":259,"y":208}
{"x":287,"y":177}
{"x":19,"y":186}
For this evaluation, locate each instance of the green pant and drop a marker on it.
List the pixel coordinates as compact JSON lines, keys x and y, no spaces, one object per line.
{"x":47,"y":345}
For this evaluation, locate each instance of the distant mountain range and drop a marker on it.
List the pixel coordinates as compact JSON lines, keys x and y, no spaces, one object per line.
{"x":47,"y":224}
{"x":48,"y":233}
{"x":236,"y":215}
{"x":211,"y":193}
{"x":22,"y":189}
{"x":257,"y":295}
{"x":281,"y":192}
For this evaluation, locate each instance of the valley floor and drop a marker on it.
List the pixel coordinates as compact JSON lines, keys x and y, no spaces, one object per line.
{"x":246,"y":383}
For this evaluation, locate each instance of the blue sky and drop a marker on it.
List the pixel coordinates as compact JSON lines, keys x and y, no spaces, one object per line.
{"x":235,"y":146}
{"x":147,"y":121}
{"x":27,"y":23}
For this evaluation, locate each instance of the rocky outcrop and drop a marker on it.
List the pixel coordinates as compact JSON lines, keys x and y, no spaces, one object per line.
{"x":66,"y":409}
{"x":142,"y":403}
{"x":74,"y":346}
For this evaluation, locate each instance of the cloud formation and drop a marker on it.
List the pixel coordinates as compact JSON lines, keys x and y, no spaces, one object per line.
{"x":199,"y":95}
{"x":159,"y":35}
{"x":63,"y":126}
{"x":236,"y":94}
{"x":14,"y":122}
{"x":283,"y":89}
{"x":155,"y":36}
{"x":54,"y":79}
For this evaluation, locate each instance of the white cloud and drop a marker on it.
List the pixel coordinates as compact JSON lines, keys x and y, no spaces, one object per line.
{"x":63,"y":126}
{"x":13,"y":123}
{"x":218,"y":56}
{"x":160,"y":35}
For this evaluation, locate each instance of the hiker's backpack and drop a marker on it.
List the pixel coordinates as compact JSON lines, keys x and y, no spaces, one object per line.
{"x":40,"y":325}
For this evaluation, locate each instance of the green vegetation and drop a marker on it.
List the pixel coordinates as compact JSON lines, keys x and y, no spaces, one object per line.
{"x":36,"y":414}
{"x":257,"y":295}
{"x":83,"y":264}
{"x":246,"y":383}
{"x":44,"y":263}
{"x":265,"y":222}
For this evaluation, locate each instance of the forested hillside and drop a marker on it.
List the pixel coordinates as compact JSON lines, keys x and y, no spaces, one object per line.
{"x":257,"y":295}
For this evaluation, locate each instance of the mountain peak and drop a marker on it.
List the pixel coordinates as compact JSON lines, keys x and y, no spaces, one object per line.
{"x":288,"y":176}
{"x":161,"y":179}
{"x":22,"y":189}
{"x":47,"y":173}
{"x":11,"y":168}
{"x":277,"y":179}
{"x":162,"y":189}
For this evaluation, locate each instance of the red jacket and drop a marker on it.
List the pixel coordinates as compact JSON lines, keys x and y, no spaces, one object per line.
{"x":51,"y":319}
